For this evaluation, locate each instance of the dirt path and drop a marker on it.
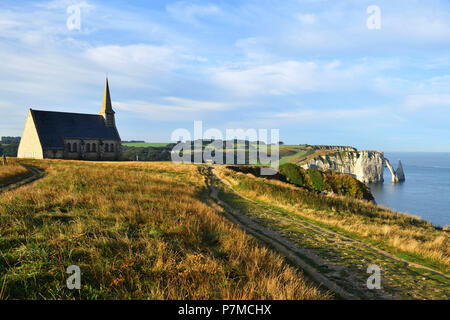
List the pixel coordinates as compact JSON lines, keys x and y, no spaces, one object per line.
{"x":36,"y":174}
{"x":336,"y":261}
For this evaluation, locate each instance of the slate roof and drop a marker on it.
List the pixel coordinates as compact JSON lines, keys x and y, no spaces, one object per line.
{"x":53,"y":127}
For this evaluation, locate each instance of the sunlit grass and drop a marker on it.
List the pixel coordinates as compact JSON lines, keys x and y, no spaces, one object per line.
{"x":12,"y":172}
{"x":137,"y":231}
{"x":399,"y":233}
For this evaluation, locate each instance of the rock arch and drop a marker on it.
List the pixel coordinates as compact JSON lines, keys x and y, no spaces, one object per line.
{"x":397,"y":175}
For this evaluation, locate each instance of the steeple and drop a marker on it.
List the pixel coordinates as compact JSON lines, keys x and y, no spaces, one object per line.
{"x":107,"y":111}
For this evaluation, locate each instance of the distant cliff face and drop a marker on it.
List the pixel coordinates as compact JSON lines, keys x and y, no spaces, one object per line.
{"x":366,"y":166}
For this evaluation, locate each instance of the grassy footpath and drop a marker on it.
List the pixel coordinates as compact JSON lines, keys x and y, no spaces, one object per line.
{"x":295,"y":214}
{"x":12,"y":172}
{"x":397,"y":232}
{"x":137,"y":231}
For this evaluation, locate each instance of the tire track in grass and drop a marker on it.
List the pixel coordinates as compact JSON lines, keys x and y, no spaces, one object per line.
{"x":36,"y":175}
{"x":335,"y":260}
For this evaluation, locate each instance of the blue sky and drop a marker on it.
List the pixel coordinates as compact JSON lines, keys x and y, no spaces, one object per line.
{"x":310,"y":68}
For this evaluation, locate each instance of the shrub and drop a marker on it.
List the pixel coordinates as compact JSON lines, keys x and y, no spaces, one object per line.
{"x":316,"y":179}
{"x":293,"y":174}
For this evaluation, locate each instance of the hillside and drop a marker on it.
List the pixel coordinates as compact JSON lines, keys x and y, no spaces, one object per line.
{"x":145,"y":151}
{"x":340,"y":237}
{"x":158,"y":230}
{"x":301,"y":154}
{"x":315,"y":180}
{"x":137,"y":231}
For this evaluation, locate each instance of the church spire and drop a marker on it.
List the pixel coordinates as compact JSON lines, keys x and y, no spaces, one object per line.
{"x":107,"y":111}
{"x":107,"y":106}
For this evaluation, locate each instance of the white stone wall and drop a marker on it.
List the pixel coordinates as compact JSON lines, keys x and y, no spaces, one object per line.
{"x":30,"y":145}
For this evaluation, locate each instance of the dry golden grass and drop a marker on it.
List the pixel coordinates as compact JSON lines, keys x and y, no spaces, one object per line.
{"x":12,"y":172}
{"x":390,"y":230}
{"x":137,"y":231}
{"x":313,"y":155}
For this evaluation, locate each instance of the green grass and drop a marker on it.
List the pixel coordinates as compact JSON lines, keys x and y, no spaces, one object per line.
{"x":401,"y":281}
{"x":395,"y":232}
{"x":292,"y":158}
{"x":146,"y":144}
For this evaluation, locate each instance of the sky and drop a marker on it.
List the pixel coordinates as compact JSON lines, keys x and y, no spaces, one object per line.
{"x":316,"y":70}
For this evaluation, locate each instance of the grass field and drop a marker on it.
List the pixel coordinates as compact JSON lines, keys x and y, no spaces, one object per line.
{"x":293,"y":157}
{"x":137,"y":231}
{"x":328,"y":247}
{"x":405,"y":236}
{"x":12,"y":172}
{"x":299,"y":154}
{"x":146,"y":144}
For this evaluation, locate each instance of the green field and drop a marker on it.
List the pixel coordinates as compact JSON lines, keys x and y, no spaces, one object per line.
{"x":146,"y":144}
{"x":345,"y":235}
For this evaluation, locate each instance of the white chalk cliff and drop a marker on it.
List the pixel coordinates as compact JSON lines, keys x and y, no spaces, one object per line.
{"x":366,"y":166}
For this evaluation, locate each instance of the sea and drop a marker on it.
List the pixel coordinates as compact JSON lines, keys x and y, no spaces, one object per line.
{"x":426,"y":191}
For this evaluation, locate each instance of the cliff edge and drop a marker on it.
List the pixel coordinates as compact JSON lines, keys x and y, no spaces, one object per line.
{"x":366,"y":166}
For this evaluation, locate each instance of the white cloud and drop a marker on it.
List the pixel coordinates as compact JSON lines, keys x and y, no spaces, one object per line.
{"x":307,"y":115}
{"x":391,"y":85}
{"x":194,"y":58}
{"x":421,"y":101}
{"x":438,"y":83}
{"x":63,"y":4}
{"x":418,"y":26}
{"x":192,"y":13}
{"x":172,"y":108}
{"x":46,"y":74}
{"x":334,"y":27}
{"x":197,"y":105}
{"x":276,"y":79}
{"x":7,"y":24}
{"x":306,"y":18}
{"x":133,"y":58}
{"x":254,"y":47}
{"x":43,"y":25}
{"x":289,"y":77}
